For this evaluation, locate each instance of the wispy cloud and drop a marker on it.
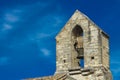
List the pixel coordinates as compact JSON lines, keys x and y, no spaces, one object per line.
{"x":45,"y":51}
{"x":11,"y":17}
{"x":44,"y":35}
{"x":31,"y":15}
{"x":4,"y":60}
{"x":6,"y":27}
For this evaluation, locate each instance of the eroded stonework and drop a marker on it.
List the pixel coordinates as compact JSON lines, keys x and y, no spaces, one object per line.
{"x":82,"y":51}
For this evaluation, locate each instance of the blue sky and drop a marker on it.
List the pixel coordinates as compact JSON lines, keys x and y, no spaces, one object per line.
{"x":28,"y":29}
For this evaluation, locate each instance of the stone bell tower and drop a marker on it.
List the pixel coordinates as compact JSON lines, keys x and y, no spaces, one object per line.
{"x":82,"y":50}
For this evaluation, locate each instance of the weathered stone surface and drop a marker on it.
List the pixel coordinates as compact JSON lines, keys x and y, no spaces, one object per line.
{"x":81,"y":40}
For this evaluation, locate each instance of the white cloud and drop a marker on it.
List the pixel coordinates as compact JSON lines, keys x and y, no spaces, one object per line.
{"x":45,"y":51}
{"x":12,"y":15}
{"x":9,"y":17}
{"x":44,"y":35}
{"x":4,"y":60}
{"x":39,"y":36}
{"x":6,"y":27}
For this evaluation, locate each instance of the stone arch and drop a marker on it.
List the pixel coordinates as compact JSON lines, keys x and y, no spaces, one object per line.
{"x":77,"y":53}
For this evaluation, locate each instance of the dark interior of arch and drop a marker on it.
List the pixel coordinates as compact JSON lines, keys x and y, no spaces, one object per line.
{"x":77,"y":31}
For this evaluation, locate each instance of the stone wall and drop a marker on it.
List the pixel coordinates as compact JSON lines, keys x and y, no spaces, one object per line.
{"x":65,"y":49}
{"x":105,"y":51}
{"x":95,"y":46}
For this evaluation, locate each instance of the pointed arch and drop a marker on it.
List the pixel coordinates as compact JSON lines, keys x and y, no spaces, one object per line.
{"x":77,"y":31}
{"x":77,"y":46}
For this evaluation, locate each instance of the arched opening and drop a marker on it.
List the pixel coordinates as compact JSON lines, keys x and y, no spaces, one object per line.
{"x":77,"y":40}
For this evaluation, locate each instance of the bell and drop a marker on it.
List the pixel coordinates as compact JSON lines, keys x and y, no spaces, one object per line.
{"x":80,"y":52}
